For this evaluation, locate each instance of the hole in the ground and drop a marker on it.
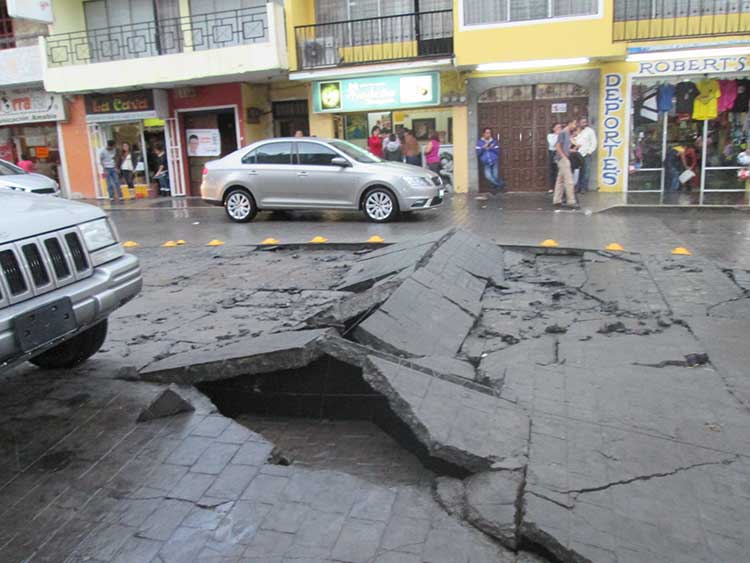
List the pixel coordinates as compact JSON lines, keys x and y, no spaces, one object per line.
{"x":329,"y":403}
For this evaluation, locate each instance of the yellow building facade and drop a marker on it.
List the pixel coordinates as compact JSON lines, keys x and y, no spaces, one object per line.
{"x":521,"y":67}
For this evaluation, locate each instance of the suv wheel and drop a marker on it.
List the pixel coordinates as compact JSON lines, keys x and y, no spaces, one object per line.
{"x":240,"y":206}
{"x":75,"y":351}
{"x":380,"y":205}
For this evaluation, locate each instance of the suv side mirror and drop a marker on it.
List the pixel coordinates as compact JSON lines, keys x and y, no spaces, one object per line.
{"x":340,"y":161}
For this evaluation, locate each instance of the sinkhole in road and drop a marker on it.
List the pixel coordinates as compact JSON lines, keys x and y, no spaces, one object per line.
{"x":325,"y":415}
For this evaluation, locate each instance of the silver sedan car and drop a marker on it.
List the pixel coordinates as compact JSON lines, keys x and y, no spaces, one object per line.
{"x":311,"y":173}
{"x":17,"y":179}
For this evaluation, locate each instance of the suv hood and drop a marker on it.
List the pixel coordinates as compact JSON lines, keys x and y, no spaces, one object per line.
{"x":27,"y":181}
{"x":25,"y":215}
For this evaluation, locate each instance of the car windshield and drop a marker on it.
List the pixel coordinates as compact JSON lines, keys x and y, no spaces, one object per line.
{"x":353,"y":151}
{"x":8,"y":169}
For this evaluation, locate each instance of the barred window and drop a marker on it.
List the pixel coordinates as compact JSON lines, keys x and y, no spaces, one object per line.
{"x":628,"y":10}
{"x":480,"y":12}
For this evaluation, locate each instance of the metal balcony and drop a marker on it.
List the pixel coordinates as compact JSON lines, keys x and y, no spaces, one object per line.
{"x":164,"y":37}
{"x":375,"y":40}
{"x":650,"y":20}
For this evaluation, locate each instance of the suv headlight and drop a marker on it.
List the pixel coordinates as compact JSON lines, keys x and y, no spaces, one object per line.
{"x":97,"y":234}
{"x":417,"y":181}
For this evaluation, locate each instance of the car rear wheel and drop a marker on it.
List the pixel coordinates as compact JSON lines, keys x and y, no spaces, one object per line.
{"x":240,"y":206}
{"x":75,"y":351}
{"x":380,"y":205}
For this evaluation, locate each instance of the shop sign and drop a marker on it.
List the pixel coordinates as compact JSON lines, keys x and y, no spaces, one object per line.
{"x":203,"y":142}
{"x":377,"y":92}
{"x":560,"y":108}
{"x":141,"y":104}
{"x":704,"y":65}
{"x":611,"y":138}
{"x":30,"y":105}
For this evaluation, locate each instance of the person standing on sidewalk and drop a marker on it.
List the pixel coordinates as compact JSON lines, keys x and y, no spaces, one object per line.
{"x":410,"y":148}
{"x":108,"y":160}
{"x":162,"y":174}
{"x":552,"y":165}
{"x":432,"y":153}
{"x":127,"y":163}
{"x":586,"y":141}
{"x":488,"y":153}
{"x":375,"y":142}
{"x":564,"y":181}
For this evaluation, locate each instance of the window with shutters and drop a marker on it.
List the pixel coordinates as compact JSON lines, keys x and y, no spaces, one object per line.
{"x":498,"y":12}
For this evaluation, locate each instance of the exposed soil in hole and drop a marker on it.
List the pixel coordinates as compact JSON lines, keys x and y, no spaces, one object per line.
{"x":356,"y":447}
{"x":325,"y":390}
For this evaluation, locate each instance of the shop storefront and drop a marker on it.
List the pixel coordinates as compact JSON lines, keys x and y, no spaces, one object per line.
{"x":674,"y":130}
{"x":395,"y":103}
{"x":29,"y":120}
{"x":138,"y":118}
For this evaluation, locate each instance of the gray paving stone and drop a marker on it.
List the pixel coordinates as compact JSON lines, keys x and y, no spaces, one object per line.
{"x":455,"y":424}
{"x":262,"y":354}
{"x":238,"y":528}
{"x":286,"y":517}
{"x":319,"y":530}
{"x":268,"y":544}
{"x":192,"y":486}
{"x":189,"y":451}
{"x":406,"y":535}
{"x":253,"y":453}
{"x":212,"y":426}
{"x":215,"y":458}
{"x":373,"y":503}
{"x":232,"y":481}
{"x":206,"y":516}
{"x":358,"y":541}
{"x":185,"y":545}
{"x":161,"y":524}
{"x":266,"y":488}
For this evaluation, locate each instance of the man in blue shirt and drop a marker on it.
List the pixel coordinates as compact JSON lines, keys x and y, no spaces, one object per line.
{"x":488,"y":152}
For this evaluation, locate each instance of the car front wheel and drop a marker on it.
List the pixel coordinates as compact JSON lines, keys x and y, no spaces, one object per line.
{"x":240,"y":206}
{"x":380,"y":206}
{"x":75,"y":351}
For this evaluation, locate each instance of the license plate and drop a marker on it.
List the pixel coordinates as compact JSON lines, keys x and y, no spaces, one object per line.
{"x":441,"y":193}
{"x":36,"y":328}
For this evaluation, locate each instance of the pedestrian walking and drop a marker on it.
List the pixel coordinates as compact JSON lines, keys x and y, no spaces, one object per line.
{"x":299,"y":133}
{"x":411,"y":150}
{"x":586,"y":141}
{"x":551,"y":152}
{"x":108,"y":159}
{"x":375,"y":142}
{"x":564,"y":184}
{"x":432,"y":153}
{"x":127,"y":163}
{"x":392,"y":148}
{"x":25,"y":163}
{"x":488,"y":153}
{"x":162,"y":174}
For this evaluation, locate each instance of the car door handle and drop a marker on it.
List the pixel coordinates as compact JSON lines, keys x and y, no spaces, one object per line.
{"x":302,"y":174}
{"x":252,"y":173}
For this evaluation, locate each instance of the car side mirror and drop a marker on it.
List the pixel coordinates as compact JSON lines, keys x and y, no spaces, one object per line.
{"x":340,"y":161}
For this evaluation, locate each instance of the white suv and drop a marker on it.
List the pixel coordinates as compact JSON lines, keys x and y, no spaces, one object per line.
{"x":62,"y":272}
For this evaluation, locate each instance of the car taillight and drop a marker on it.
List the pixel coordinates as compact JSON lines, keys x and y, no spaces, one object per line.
{"x":205,"y":170}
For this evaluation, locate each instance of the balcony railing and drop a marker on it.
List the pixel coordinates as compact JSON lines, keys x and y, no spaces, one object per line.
{"x":374,"y":40}
{"x":165,"y":37}
{"x":644,"y":20}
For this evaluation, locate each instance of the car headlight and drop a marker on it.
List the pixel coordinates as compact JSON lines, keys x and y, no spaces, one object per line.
{"x":97,"y":234}
{"x":417,"y":181}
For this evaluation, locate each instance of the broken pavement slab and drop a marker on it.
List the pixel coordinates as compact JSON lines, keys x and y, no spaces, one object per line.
{"x":468,"y":429}
{"x":167,"y":403}
{"x":263,"y":354}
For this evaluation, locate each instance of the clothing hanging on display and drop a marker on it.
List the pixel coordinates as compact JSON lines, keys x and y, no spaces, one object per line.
{"x":685,"y":93}
{"x":706,"y":104}
{"x":743,"y":96}
{"x":728,"y":89}
{"x":665,"y":97}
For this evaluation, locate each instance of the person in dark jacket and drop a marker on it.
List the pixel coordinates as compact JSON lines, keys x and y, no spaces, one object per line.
{"x":392,"y":148}
{"x":488,"y":153}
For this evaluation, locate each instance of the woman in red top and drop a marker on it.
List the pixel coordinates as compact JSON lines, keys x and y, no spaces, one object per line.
{"x":375,"y":142}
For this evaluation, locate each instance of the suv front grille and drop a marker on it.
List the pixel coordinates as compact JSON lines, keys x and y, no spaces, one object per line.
{"x":35,"y":266}
{"x":76,"y":251}
{"x":12,"y":272}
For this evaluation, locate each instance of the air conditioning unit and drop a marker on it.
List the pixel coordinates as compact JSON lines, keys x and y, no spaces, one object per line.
{"x":319,"y":52}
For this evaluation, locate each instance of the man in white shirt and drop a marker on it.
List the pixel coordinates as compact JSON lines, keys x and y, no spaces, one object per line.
{"x":586,"y":141}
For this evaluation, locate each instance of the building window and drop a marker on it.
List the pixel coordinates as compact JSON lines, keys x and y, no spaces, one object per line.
{"x":483,"y":12}
{"x":6,"y":28}
{"x":628,"y":10}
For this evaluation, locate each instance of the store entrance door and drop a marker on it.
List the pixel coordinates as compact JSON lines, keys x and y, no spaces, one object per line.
{"x":203,"y":128}
{"x":520,"y":117}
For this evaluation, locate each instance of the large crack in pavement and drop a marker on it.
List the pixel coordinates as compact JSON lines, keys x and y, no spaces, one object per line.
{"x":524,"y":382}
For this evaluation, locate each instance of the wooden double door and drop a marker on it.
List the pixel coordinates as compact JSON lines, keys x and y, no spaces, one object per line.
{"x":522,"y":128}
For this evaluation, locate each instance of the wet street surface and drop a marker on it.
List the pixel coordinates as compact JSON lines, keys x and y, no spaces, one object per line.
{"x":439,"y":400}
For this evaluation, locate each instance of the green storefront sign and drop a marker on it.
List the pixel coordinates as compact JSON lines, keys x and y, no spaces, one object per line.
{"x":377,"y":92}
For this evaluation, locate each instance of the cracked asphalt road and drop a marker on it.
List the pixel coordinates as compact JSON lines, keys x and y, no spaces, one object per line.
{"x":603,"y":441}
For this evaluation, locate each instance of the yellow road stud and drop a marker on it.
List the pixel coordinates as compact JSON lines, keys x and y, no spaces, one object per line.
{"x":549,"y":243}
{"x":318,"y":240}
{"x":130,"y":244}
{"x":614,"y":247}
{"x":180,"y":242}
{"x":215,"y":242}
{"x":376,"y":238}
{"x":270,"y":240}
{"x":682,"y":251}
{"x":169,"y":244}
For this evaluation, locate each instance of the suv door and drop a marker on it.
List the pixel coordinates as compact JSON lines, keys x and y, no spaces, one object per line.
{"x":271,"y":173}
{"x":323,"y":184}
